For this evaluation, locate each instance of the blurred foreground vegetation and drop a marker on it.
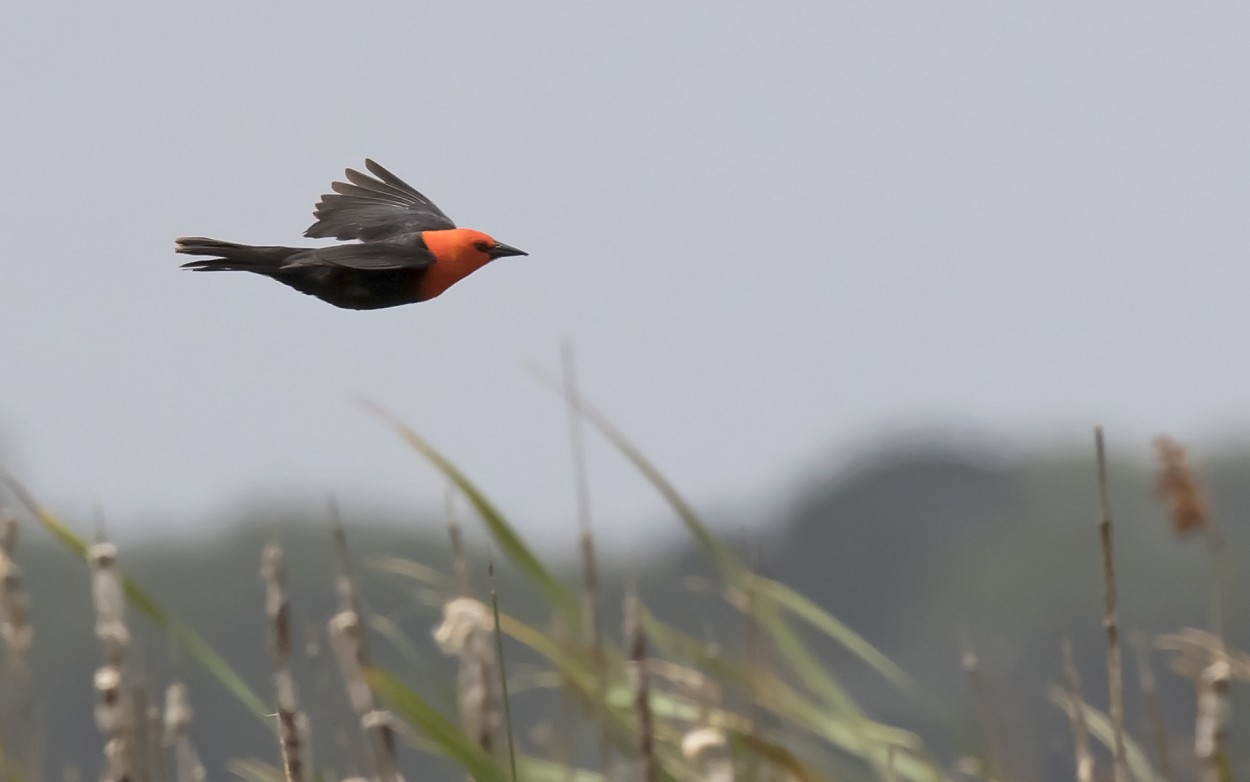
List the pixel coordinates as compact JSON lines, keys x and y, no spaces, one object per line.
{"x":959,"y":573}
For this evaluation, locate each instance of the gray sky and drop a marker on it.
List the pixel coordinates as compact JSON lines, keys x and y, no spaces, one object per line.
{"x":773,"y":231}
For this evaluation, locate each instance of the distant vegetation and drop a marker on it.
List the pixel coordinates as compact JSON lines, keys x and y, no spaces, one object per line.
{"x":288,"y":651}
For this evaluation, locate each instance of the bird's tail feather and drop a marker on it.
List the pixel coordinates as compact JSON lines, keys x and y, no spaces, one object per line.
{"x":231,"y":256}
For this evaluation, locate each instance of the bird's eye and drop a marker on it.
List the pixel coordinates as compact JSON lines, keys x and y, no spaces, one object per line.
{"x":483,"y":246}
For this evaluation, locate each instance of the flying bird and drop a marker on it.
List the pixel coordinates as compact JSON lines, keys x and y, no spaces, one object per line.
{"x":407,"y":249}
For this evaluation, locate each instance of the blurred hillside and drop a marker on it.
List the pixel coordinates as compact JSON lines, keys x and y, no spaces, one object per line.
{"x":921,"y":552}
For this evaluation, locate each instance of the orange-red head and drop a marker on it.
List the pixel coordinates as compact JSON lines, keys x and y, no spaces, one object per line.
{"x":458,"y":252}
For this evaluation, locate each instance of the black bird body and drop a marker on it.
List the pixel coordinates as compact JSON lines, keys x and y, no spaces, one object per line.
{"x":409,"y":251}
{"x":388,"y":275}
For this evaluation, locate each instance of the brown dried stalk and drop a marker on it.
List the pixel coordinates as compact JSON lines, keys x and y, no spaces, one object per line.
{"x":277,"y":608}
{"x":1214,"y":720}
{"x":347,"y":639}
{"x":590,"y":572}
{"x":503,"y":672}
{"x":15,"y":627}
{"x":987,"y":719}
{"x":345,"y":633}
{"x":1154,"y":712}
{"x":1076,"y":716}
{"x":636,"y":645}
{"x":460,"y":562}
{"x":1203,"y":658}
{"x":178,"y":714}
{"x":17,"y":635}
{"x":146,"y":744}
{"x":345,"y":584}
{"x":1115,"y":673}
{"x":592,"y":629}
{"x":114,"y":712}
{"x":155,"y":721}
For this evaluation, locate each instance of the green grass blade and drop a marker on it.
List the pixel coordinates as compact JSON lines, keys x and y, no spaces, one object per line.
{"x":194,"y":645}
{"x":534,"y":769}
{"x":778,"y":755}
{"x":250,"y":770}
{"x":183,"y":635}
{"x":580,"y":674}
{"x":856,"y":736}
{"x":731,"y":567}
{"x":1100,"y":726}
{"x":503,"y":673}
{"x":9,"y":771}
{"x":446,"y":737}
{"x":803,"y":608}
{"x":560,"y":598}
{"x":806,"y":666}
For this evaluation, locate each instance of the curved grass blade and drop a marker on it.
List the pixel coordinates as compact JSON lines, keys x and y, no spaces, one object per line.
{"x":181,"y":634}
{"x":779,"y":756}
{"x":9,"y":769}
{"x":539,"y":770}
{"x":731,"y":567}
{"x":857,"y":736}
{"x":803,"y":608}
{"x":1100,"y":725}
{"x":581,"y":674}
{"x":806,"y":665}
{"x":503,"y":672}
{"x":560,"y":598}
{"x":424,"y":575}
{"x":447,"y":738}
{"x":251,"y":770}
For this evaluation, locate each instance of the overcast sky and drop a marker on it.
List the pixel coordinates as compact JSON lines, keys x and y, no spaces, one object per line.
{"x":773,"y":230}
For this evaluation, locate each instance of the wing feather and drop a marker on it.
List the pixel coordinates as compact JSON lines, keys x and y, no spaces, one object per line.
{"x":368,"y":184}
{"x":373,"y":256}
{"x":385,"y":208}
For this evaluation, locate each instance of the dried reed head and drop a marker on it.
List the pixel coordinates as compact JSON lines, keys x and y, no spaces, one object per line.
{"x":289,"y":719}
{"x":345,"y":639}
{"x":468,"y":632}
{"x":178,"y":715}
{"x":701,"y":740}
{"x":707,"y":750}
{"x":1194,"y":651}
{"x":1177,"y":487}
{"x":464,"y":619}
{"x":1214,"y":711}
{"x":110,"y":711}
{"x":109,"y":598}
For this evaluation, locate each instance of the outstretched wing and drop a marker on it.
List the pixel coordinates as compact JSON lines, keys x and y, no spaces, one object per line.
{"x":373,"y":256}
{"x":385,"y":208}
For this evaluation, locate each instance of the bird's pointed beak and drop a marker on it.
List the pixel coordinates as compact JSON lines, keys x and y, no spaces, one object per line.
{"x":501,"y":250}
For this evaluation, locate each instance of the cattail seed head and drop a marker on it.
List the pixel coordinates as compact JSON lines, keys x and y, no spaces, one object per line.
{"x":109,"y":598}
{"x":1215,"y":711}
{"x":1177,"y":487}
{"x":463,"y":618}
{"x":701,"y":740}
{"x":178,"y":712}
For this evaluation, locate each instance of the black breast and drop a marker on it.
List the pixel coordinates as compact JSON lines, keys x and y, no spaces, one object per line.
{"x":355,"y":289}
